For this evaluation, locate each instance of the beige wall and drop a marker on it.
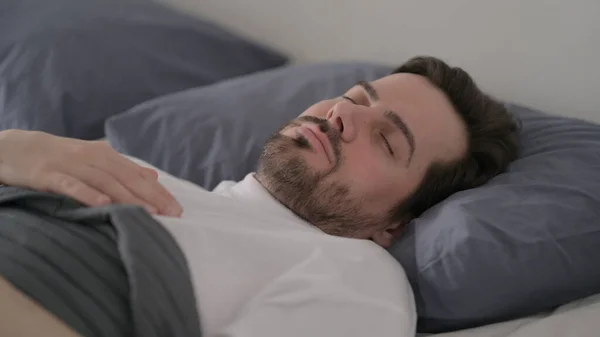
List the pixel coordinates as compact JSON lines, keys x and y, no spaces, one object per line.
{"x":543,"y":53}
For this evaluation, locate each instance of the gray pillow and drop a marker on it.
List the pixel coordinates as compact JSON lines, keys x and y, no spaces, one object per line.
{"x":526,"y":242}
{"x":216,"y":133}
{"x":67,"y":65}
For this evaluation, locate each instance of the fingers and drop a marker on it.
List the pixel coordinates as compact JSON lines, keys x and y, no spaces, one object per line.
{"x":149,"y":173}
{"x":116,"y":189}
{"x":95,"y":174}
{"x":91,"y":186}
{"x":64,"y":184}
{"x":143,"y":183}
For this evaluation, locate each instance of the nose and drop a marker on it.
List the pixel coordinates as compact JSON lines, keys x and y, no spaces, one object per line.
{"x":344,"y":116}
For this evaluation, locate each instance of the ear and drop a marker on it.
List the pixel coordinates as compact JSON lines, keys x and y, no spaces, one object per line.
{"x":386,"y":236}
{"x":383,"y":238}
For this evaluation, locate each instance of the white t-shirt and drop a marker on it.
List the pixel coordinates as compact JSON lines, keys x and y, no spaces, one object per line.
{"x":258,"y":270}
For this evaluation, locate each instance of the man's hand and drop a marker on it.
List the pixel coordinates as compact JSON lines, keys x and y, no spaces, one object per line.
{"x":89,"y":171}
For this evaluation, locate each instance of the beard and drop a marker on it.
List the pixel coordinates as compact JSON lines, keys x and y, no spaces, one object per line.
{"x":323,"y":202}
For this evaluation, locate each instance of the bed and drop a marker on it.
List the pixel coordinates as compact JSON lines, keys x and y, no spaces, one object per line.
{"x":537,"y":57}
{"x":573,"y":319}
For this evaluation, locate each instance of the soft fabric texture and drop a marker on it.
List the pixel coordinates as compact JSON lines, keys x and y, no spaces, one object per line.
{"x":526,"y":242}
{"x":67,"y":65}
{"x":104,"y":271}
{"x":258,"y":270}
{"x":574,"y":319}
{"x":216,"y":133}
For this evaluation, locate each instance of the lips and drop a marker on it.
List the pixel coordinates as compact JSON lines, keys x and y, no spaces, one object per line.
{"x":318,"y":139}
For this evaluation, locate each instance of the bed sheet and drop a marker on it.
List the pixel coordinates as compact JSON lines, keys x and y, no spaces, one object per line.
{"x":577,"y":319}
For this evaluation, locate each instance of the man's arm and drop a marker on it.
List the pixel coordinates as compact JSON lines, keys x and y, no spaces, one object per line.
{"x":20,"y":316}
{"x":88,"y":171}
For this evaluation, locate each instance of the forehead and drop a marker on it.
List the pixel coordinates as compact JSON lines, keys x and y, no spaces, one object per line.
{"x":438,"y":129}
{"x":414,"y":92}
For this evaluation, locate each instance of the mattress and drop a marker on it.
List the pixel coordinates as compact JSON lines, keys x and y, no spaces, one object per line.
{"x":577,"y":319}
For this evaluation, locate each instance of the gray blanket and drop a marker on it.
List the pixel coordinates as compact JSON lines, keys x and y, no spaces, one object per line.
{"x":110,"y":271}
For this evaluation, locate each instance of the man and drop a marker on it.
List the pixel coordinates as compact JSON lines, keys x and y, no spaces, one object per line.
{"x":296,"y":251}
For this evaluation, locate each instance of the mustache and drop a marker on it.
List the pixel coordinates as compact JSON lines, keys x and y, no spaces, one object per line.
{"x":333,"y":135}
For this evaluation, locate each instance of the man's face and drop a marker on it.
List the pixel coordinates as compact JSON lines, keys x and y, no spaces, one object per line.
{"x":346,"y":163}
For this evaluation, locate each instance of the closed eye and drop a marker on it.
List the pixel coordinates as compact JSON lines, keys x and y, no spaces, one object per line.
{"x":349,"y":99}
{"x":385,"y":141}
{"x":387,"y":144}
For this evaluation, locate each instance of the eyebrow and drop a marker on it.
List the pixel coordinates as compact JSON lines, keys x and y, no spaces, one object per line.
{"x":392,"y":116}
{"x":370,"y":90}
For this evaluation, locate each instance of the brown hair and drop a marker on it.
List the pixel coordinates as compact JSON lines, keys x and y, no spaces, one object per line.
{"x":492,"y":137}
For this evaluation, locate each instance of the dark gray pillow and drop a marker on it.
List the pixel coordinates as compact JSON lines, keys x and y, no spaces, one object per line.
{"x":67,"y":65}
{"x":216,"y":133}
{"x":526,"y":242}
